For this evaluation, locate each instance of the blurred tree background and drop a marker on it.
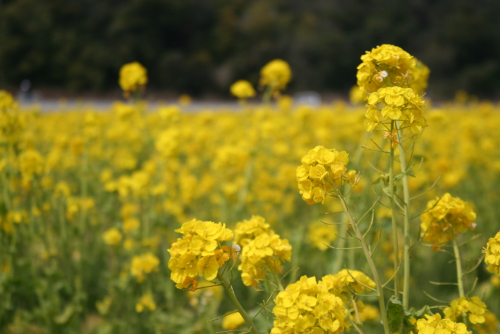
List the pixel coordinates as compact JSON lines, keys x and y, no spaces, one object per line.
{"x":200,"y":47}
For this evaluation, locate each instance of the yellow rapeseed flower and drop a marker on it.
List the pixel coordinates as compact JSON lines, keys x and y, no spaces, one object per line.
{"x":492,"y":257}
{"x":232,"y":321}
{"x":473,"y":307}
{"x":146,"y":301}
{"x":144,"y":264}
{"x":242,"y":89}
{"x":276,"y":74}
{"x":112,"y":236}
{"x":435,"y":325}
{"x":133,"y":76}
{"x":444,"y":218}
{"x":320,"y":235}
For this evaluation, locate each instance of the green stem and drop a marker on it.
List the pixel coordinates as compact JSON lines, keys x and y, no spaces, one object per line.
{"x":371,"y":264}
{"x":406,"y":229}
{"x":229,"y":290}
{"x":460,"y":276}
{"x":393,"y":217}
{"x":268,"y":93}
{"x":355,"y":162}
{"x":460,"y":279}
{"x":276,"y":278}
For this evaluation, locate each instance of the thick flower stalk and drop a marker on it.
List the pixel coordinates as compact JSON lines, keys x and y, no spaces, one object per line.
{"x":436,"y":325}
{"x":321,"y":169}
{"x":492,"y":254}
{"x":199,"y":252}
{"x":308,"y":306}
{"x":444,"y":218}
{"x":262,"y":251}
{"x":473,"y":308}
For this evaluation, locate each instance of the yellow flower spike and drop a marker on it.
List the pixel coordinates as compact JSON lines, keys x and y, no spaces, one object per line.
{"x":262,"y":251}
{"x":445,"y":218}
{"x":307,"y":306}
{"x":133,"y":76}
{"x":276,"y":74}
{"x":198,"y":253}
{"x":492,"y":254}
{"x":320,"y":168}
{"x":242,"y":89}
{"x":146,"y":302}
{"x":112,"y":236}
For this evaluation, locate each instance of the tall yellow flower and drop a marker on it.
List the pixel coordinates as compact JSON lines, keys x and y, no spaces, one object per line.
{"x":444,"y":218}
{"x":492,"y":252}
{"x":276,"y":74}
{"x":242,"y":89}
{"x":133,"y":76}
{"x":199,"y":252}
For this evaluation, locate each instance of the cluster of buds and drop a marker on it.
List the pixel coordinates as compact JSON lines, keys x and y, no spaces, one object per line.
{"x":321,"y":170}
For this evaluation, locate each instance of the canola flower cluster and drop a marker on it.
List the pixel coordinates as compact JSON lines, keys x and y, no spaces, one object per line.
{"x":473,"y":307}
{"x":199,"y":252}
{"x":133,"y":76}
{"x":444,"y":218}
{"x":492,"y":254}
{"x":308,"y":306}
{"x":321,"y":170}
{"x":436,"y":325}
{"x":262,"y":250}
{"x":93,"y":204}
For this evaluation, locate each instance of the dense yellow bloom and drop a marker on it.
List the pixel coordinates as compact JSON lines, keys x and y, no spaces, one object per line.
{"x":146,"y":301}
{"x":320,"y":235}
{"x":144,"y":264}
{"x":382,"y":63}
{"x":232,"y":321}
{"x":242,"y":89}
{"x":112,"y":236}
{"x":346,"y":281}
{"x":473,"y":307}
{"x":321,"y":168}
{"x":420,"y":76}
{"x":492,"y":257}
{"x":30,"y":164}
{"x":131,"y":224}
{"x":444,"y":218}
{"x":276,"y":74}
{"x":132,"y":77}
{"x":395,"y":103}
{"x":367,"y":312}
{"x":247,"y":230}
{"x":435,"y":325}
{"x":198,"y":252}
{"x":490,"y":324}
{"x":309,"y":307}
{"x":261,"y":250}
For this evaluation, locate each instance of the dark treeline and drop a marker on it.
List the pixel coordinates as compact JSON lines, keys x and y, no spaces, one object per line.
{"x":202,"y":46}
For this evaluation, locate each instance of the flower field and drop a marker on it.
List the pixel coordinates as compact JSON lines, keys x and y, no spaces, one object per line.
{"x":109,"y":221}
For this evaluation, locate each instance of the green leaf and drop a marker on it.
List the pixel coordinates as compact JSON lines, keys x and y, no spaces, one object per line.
{"x":395,"y":314}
